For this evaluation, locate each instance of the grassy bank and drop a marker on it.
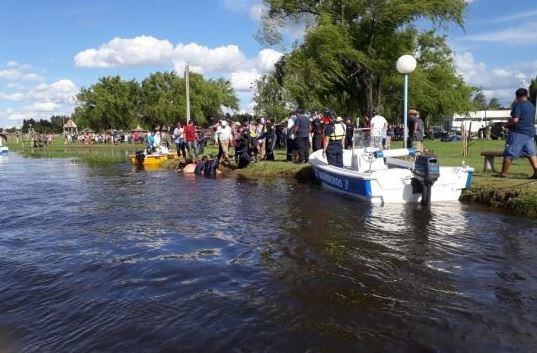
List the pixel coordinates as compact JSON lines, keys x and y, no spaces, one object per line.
{"x":99,"y":153}
{"x":515,"y":194}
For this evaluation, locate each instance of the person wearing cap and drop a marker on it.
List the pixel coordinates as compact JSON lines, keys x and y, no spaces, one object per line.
{"x":334,"y":134}
{"x":223,"y":137}
{"x":521,"y":138}
{"x":416,"y":130}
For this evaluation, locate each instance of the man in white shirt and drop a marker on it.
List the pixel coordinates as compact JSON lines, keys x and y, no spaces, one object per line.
{"x":223,"y":137}
{"x":292,"y":152}
{"x":378,"y":124}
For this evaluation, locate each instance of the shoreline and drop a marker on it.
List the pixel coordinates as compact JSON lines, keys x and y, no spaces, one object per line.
{"x":515,"y":195}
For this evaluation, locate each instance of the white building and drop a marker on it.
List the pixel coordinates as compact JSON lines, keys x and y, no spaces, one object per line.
{"x":477,"y":120}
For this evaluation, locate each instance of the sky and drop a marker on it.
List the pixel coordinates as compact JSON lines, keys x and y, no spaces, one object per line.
{"x":50,"y":49}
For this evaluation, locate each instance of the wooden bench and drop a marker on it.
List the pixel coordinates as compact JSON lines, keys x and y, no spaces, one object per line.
{"x":488,"y":160}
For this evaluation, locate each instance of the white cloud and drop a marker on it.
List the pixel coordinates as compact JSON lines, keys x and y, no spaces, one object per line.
{"x":17,"y":96}
{"x":523,"y":34}
{"x":15,"y":85}
{"x":40,"y":102}
{"x":43,"y":107}
{"x":62,"y":91}
{"x":266,"y":59}
{"x":15,"y":72}
{"x":142,"y":50}
{"x":147,"y":50}
{"x":500,"y":83}
{"x":244,"y":80}
{"x":517,"y":16}
{"x":220,"y":59}
{"x":227,"y":60}
{"x":257,"y":11}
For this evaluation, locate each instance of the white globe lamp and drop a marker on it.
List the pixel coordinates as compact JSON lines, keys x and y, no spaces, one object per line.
{"x":406,"y":64}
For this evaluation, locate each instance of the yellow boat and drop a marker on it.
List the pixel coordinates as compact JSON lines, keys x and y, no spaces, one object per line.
{"x":172,"y":156}
{"x":153,"y":160}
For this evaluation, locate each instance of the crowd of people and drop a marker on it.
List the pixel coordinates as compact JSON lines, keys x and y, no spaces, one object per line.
{"x":299,"y":134}
{"x":256,"y":140}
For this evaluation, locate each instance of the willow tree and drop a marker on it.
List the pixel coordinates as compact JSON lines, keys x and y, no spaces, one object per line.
{"x":111,"y":103}
{"x":351,"y":45}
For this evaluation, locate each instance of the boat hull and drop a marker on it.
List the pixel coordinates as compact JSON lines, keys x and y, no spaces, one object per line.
{"x":149,"y":160}
{"x":391,"y":185}
{"x":4,"y":151}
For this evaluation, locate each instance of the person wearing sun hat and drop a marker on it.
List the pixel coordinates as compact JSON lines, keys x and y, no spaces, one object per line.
{"x":416,"y":130}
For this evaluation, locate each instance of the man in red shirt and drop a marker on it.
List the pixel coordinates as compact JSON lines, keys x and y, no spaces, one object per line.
{"x":191,"y":139}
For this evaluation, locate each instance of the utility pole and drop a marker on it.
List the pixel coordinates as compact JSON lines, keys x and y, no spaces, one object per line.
{"x":187,"y":84}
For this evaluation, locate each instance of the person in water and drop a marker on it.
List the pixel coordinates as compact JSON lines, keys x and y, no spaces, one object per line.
{"x":200,"y":165}
{"x":243,"y":147}
{"x":205,"y":166}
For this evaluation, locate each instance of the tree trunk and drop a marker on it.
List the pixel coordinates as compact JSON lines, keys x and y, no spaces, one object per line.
{"x":379,"y":94}
{"x":366,"y":81}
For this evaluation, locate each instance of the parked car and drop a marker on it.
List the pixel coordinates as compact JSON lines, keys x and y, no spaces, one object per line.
{"x":497,"y":131}
{"x":437,"y":132}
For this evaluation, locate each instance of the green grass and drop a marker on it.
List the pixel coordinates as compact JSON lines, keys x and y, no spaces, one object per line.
{"x":99,"y":153}
{"x":514,"y":194}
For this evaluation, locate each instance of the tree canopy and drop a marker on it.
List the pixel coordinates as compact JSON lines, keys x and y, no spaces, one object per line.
{"x":347,"y":58}
{"x":159,"y":100}
{"x":42,"y":126}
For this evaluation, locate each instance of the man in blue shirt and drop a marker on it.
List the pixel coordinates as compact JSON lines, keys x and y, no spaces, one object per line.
{"x":520,"y":141}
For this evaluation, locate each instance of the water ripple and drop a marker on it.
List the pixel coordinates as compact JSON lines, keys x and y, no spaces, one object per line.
{"x":108,"y":259}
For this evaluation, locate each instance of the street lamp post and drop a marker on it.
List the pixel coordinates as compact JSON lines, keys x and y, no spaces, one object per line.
{"x":406,"y":64}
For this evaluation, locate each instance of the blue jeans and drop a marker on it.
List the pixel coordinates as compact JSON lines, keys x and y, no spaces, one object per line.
{"x":192,"y":148}
{"x":519,"y":145}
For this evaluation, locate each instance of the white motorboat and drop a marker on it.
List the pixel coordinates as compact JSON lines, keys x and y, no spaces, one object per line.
{"x":380,"y":177}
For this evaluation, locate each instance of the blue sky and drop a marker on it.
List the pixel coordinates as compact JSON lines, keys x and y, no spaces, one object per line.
{"x":49,"y":49}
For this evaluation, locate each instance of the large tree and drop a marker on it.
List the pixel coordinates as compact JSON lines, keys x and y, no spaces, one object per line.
{"x":494,"y":104}
{"x":43,"y":126}
{"x":162,"y":99}
{"x":111,"y":103}
{"x":269,"y":98}
{"x":533,"y":91}
{"x":479,"y":100}
{"x":352,"y":45}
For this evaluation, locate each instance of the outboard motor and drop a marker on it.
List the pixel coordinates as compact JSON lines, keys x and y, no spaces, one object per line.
{"x":426,"y":173}
{"x":140,"y":156}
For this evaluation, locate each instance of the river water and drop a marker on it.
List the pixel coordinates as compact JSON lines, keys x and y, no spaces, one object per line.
{"x":100,"y":258}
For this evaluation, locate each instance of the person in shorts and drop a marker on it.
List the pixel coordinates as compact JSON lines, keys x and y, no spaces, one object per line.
{"x":520,"y":141}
